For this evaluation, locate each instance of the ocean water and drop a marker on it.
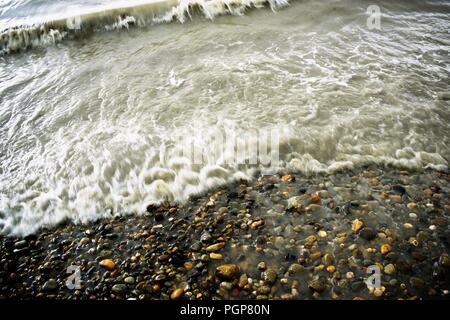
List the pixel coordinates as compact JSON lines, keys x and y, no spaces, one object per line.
{"x":99,"y":99}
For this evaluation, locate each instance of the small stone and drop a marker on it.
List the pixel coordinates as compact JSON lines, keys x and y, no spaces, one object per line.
{"x":85,"y":240}
{"x":262,"y":265}
{"x":270,"y":276}
{"x":412,"y":215}
{"x":50,"y":285}
{"x":309,"y":241}
{"x":228,"y":271}
{"x":256,"y":224}
{"x":20,"y":244}
{"x":432,"y":227}
{"x":243,"y":280}
{"x":444,"y":260}
{"x":378,"y":292}
{"x":316,"y":285}
{"x":389,"y":269}
{"x":294,"y":203}
{"x":177,"y":293}
{"x":314,"y":198}
{"x":296,"y":268}
{"x":385,"y":248}
{"x":205,"y":237}
{"x":357,"y":225}
{"x":222,"y":210}
{"x":349,"y":275}
{"x":331,"y":269}
{"x":215,"y":247}
{"x":188,"y":265}
{"x":374,"y":181}
{"x":411,"y":205}
{"x":129,"y":280}
{"x":408,"y":226}
{"x":119,"y":288}
{"x":215,"y":256}
{"x":322,"y":234}
{"x":368,"y":234}
{"x":107,"y":264}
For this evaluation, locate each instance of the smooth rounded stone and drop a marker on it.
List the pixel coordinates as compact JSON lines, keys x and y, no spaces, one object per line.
{"x":270,"y":276}
{"x":314,"y":198}
{"x":119,"y":288}
{"x":256,"y":224}
{"x":298,"y":228}
{"x":378,"y":292}
{"x":294,"y":203}
{"x":204,"y":258}
{"x":215,"y":256}
{"x":296,"y":268}
{"x":411,"y":206}
{"x":385,"y":248}
{"x":389,"y":269}
{"x":331,"y":269}
{"x":349,"y":275}
{"x":20,"y":244}
{"x":196,"y":246}
{"x":228,"y":271}
{"x":261,"y":265}
{"x":85,"y":240}
{"x":322,"y":234}
{"x":368,"y":234}
{"x":243,"y":280}
{"x":413,"y":216}
{"x":309,"y":241}
{"x":408,"y":226}
{"x":129,"y":280}
{"x":222,"y":210}
{"x":107,"y":264}
{"x":444,"y":260}
{"x":417,"y":282}
{"x":227,"y":286}
{"x":316,"y":285}
{"x":205,"y":237}
{"x":215,"y":247}
{"x":177,"y":293}
{"x":432,"y":227}
{"x":327,"y":258}
{"x":50,"y":285}
{"x":357,"y":225}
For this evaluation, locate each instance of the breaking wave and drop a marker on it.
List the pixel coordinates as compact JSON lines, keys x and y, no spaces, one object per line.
{"x":121,"y":16}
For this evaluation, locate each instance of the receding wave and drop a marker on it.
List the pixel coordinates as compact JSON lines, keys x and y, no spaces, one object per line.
{"x":119,"y":16}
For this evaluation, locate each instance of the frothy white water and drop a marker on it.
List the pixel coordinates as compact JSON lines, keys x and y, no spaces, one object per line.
{"x":82,"y":124}
{"x":44,"y":30}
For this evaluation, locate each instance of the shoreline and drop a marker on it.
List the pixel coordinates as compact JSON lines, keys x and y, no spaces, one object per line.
{"x":278,"y":237}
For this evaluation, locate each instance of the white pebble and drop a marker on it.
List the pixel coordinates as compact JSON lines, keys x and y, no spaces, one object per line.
{"x":412,"y":215}
{"x":432,"y":227}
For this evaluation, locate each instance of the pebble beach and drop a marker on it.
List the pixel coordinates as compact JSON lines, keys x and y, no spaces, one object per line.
{"x":285,"y":236}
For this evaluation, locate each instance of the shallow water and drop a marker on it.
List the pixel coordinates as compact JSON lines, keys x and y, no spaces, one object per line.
{"x":82,"y":121}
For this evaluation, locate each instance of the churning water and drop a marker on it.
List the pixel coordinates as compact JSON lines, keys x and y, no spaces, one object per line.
{"x":91,"y":89}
